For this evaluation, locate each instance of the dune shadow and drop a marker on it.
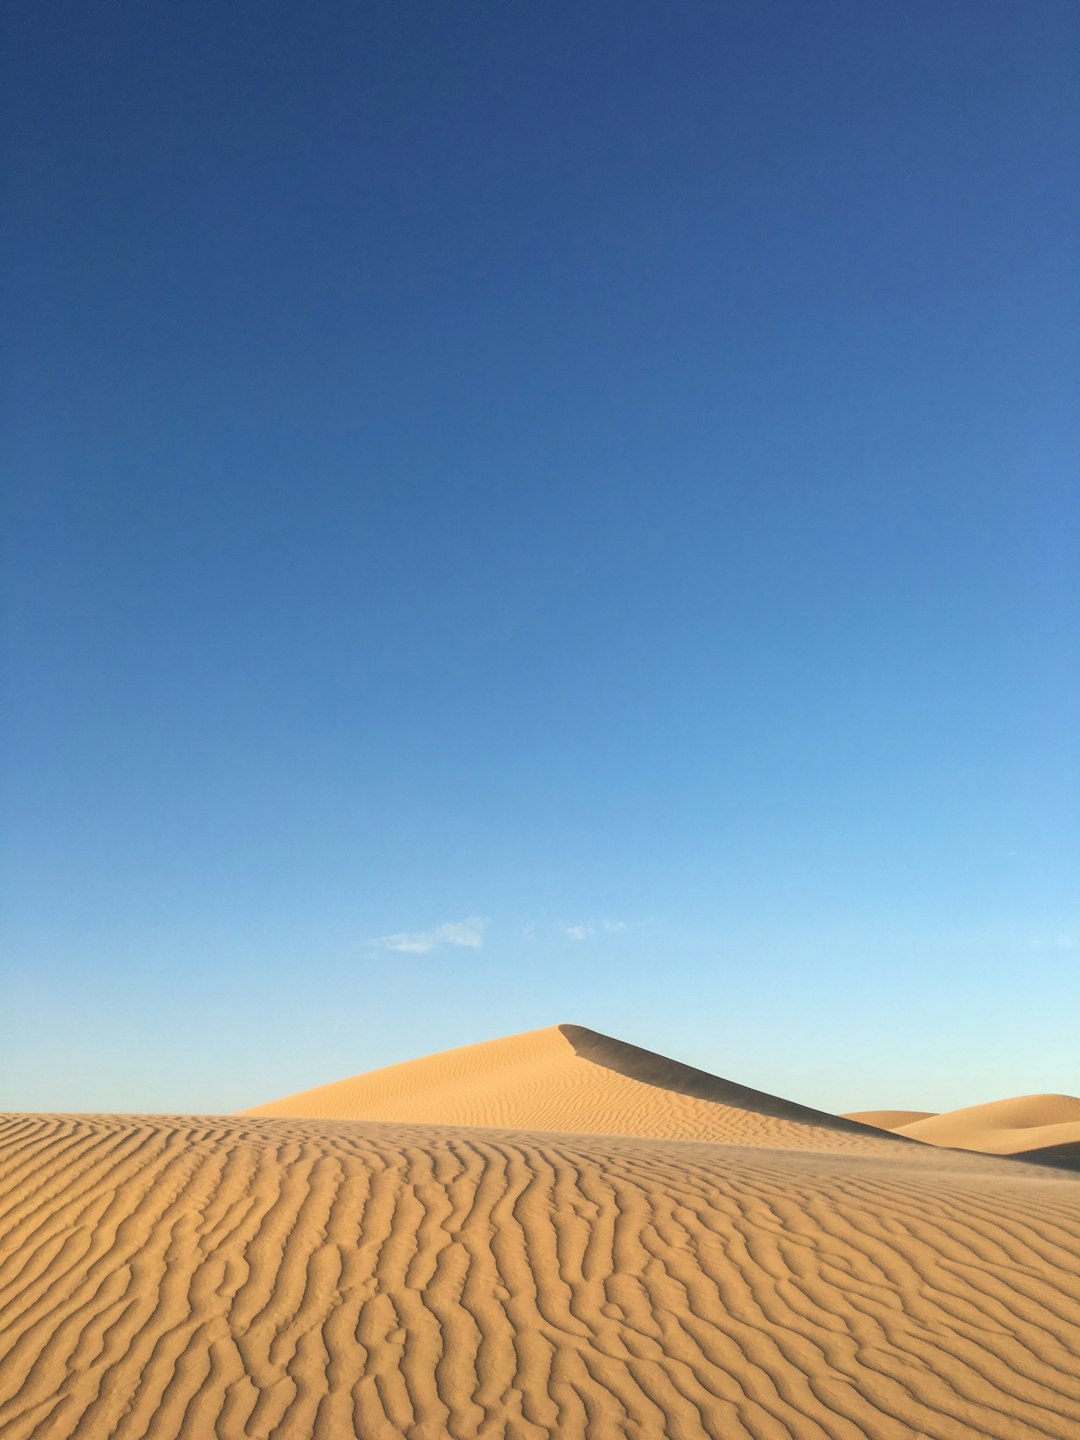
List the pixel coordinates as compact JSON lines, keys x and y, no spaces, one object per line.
{"x":661,"y":1073}
{"x":1058,"y":1157}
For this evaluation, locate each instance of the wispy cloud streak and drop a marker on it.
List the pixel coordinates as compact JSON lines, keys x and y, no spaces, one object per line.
{"x":579,"y":932}
{"x":586,"y":931}
{"x":464,"y":934}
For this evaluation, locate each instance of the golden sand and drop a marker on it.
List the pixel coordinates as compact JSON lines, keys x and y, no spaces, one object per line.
{"x":1034,"y":1127}
{"x":611,"y":1246}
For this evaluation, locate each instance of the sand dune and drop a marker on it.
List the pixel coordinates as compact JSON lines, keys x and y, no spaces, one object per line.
{"x":568,"y":1078}
{"x":275,"y":1278}
{"x":1042,"y":1128}
{"x":1005,"y":1127}
{"x":888,"y":1119}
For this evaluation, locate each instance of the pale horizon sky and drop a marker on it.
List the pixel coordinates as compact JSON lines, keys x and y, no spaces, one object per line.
{"x":516,"y":515}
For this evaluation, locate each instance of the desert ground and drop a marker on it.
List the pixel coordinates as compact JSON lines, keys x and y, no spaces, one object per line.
{"x":555,"y":1234}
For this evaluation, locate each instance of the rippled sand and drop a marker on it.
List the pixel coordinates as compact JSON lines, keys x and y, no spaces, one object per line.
{"x":257,"y":1276}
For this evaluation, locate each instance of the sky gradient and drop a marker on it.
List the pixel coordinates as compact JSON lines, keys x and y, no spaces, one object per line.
{"x":518,"y":514}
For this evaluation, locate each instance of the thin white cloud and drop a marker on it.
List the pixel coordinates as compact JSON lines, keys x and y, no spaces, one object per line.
{"x":1061,"y":941}
{"x":587,"y":931}
{"x":465,"y":934}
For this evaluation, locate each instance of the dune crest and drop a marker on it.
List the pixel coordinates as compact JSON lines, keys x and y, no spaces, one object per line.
{"x":569,"y":1078}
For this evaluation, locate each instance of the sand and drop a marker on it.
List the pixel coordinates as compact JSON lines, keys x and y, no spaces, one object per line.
{"x":570,"y":1078}
{"x":277,"y":1276}
{"x":1036,"y":1127}
{"x":889,"y":1119}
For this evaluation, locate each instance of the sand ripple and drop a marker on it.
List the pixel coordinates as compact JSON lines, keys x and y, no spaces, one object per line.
{"x":252,"y":1277}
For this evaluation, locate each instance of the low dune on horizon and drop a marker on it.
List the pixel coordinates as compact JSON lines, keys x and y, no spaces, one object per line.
{"x":552,"y":1235}
{"x":1032,"y":1127}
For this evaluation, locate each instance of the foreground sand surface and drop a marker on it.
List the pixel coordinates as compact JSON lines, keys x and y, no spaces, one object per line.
{"x":257,"y":1276}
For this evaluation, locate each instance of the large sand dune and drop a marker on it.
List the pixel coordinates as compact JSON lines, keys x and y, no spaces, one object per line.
{"x":573,"y":1079}
{"x":235,"y":1278}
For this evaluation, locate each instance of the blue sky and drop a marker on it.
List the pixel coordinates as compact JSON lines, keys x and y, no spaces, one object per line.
{"x":586,"y":492}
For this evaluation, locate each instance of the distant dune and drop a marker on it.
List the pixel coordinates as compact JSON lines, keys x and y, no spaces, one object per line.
{"x":888,"y":1119}
{"x":1040,"y":1128}
{"x":572,"y":1079}
{"x":1027,"y":1124}
{"x":277,"y":1278}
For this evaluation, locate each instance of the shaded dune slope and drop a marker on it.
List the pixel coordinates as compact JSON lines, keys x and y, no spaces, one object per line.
{"x":1063,"y":1157}
{"x":568,"y":1078}
{"x":273,"y":1279}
